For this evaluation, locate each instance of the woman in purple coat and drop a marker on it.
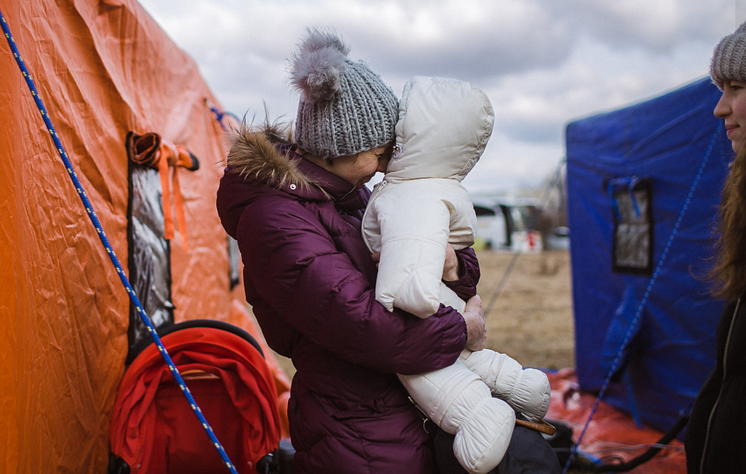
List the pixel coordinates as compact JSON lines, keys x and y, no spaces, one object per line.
{"x":295,"y":208}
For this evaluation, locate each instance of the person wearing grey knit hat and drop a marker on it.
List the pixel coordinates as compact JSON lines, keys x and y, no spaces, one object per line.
{"x":346,"y":113}
{"x":715,"y":436}
{"x":729,"y":59}
{"x":728,"y":72}
{"x":344,"y":108}
{"x":295,"y":204}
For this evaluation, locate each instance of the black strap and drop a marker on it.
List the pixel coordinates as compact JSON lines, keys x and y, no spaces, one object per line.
{"x":644,"y":457}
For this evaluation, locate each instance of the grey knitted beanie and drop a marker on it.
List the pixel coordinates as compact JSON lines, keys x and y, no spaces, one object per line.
{"x":729,"y":58}
{"x":345,"y":108}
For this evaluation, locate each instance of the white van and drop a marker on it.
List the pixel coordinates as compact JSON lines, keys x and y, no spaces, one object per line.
{"x":509,"y":227}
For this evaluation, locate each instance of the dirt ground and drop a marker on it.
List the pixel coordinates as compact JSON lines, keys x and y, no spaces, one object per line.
{"x":531,"y":318}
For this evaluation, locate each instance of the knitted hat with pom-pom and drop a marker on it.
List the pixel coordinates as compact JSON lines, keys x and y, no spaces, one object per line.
{"x":345,"y":108}
{"x":729,"y":58}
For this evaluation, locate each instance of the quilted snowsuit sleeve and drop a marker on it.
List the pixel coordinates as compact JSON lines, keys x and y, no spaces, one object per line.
{"x":416,"y":220}
{"x":298,"y":271}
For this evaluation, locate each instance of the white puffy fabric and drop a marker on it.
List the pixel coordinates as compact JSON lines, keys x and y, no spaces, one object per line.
{"x":421,"y":206}
{"x":457,"y":400}
{"x":526,"y":390}
{"x":415,"y":221}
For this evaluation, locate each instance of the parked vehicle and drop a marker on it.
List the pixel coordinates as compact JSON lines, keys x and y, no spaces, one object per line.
{"x":509,"y":226}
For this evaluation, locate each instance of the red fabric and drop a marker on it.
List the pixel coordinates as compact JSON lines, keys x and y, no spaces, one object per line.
{"x":611,"y":435}
{"x":155,"y":431}
{"x":241,"y":317}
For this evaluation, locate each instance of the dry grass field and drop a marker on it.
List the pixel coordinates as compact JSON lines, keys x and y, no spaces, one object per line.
{"x":531,"y":319}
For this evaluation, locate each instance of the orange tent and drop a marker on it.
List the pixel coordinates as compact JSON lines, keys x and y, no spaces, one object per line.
{"x":102,"y":69}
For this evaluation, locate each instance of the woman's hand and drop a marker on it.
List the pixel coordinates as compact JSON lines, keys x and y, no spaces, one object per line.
{"x":476,"y":330}
{"x":451,"y":270}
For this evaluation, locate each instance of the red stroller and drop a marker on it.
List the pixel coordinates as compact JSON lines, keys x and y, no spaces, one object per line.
{"x":154,"y":430}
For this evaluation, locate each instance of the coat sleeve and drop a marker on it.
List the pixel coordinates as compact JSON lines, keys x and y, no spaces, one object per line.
{"x":296,"y":269}
{"x":466,"y":286}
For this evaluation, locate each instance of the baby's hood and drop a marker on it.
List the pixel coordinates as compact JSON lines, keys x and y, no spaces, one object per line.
{"x":443,"y":127}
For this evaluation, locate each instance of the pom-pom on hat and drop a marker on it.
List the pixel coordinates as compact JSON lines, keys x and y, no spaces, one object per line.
{"x":729,"y":58}
{"x":345,"y":108}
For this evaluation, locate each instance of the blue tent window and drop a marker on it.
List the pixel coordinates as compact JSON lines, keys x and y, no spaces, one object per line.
{"x":631,"y":199}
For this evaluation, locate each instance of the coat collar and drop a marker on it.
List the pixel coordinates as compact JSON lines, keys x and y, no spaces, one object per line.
{"x":255,"y":159}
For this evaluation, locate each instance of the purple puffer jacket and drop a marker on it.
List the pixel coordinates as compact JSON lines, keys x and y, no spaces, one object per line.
{"x":309,"y":278}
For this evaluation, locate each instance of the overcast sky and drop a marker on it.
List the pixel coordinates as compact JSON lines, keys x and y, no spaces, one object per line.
{"x":543,"y":63}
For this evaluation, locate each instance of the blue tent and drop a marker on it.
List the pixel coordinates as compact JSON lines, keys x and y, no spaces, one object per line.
{"x":631,"y":174}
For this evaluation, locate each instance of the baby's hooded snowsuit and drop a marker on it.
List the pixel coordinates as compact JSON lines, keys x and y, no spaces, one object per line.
{"x":413,"y":214}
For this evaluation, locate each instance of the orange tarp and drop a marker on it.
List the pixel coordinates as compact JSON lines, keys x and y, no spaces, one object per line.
{"x":102,"y":69}
{"x":612,"y":436}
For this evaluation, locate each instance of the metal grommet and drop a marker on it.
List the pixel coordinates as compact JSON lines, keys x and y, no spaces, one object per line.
{"x":293,"y":186}
{"x":397,"y":151}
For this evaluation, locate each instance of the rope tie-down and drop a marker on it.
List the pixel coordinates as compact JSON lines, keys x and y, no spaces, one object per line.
{"x":220,"y":115}
{"x":109,"y":250}
{"x":149,"y":149}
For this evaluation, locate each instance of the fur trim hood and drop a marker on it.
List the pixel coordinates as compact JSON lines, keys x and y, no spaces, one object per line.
{"x":263,"y":164}
{"x":261,"y":155}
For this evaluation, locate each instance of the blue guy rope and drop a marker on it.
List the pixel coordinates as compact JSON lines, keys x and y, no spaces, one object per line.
{"x":636,"y":320}
{"x":220,"y":115}
{"x":110,"y":250}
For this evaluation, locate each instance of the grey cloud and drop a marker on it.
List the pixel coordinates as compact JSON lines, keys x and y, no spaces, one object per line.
{"x":524,"y":129}
{"x":498,"y":44}
{"x":542,"y":62}
{"x":659,"y":26}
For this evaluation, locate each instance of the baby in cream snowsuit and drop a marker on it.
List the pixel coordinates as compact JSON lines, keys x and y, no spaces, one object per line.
{"x":412,"y":215}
